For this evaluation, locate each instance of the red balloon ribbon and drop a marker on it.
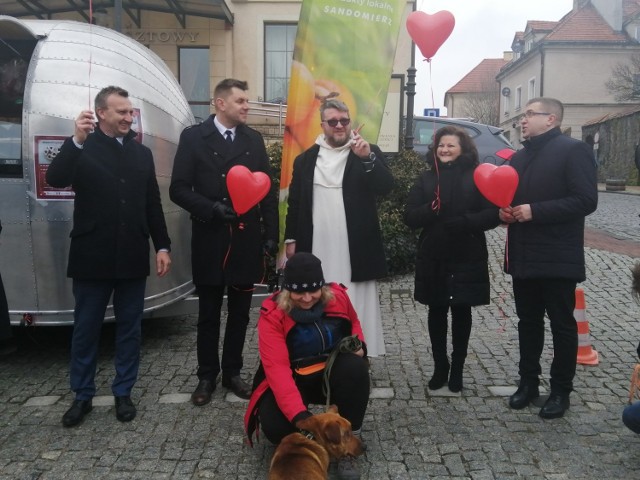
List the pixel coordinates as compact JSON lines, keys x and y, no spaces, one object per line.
{"x":429,"y":32}
{"x":246,"y":188}
{"x":497,"y":184}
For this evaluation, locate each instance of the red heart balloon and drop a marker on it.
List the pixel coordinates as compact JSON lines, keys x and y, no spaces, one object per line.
{"x":246,"y":188}
{"x":429,"y":32}
{"x":497,"y":184}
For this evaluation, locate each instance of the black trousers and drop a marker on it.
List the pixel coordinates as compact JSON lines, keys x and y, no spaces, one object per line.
{"x":209,"y":317}
{"x":349,"y":391}
{"x":460,"y":332}
{"x":557,"y":298}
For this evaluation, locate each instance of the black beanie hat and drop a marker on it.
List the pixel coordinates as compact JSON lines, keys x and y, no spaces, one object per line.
{"x":303,"y":273}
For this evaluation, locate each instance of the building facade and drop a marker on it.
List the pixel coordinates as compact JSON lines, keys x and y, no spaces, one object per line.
{"x":205,"y":41}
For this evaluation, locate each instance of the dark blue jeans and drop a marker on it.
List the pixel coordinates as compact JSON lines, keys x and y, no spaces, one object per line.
{"x":557,"y":298}
{"x":92,"y":298}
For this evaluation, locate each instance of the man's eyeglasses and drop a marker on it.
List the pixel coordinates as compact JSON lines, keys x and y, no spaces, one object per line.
{"x":334,"y":122}
{"x":531,"y":113}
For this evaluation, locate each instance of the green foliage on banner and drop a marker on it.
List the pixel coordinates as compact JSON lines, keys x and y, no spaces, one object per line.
{"x":399,"y":241}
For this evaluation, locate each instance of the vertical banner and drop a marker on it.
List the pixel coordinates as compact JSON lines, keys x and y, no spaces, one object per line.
{"x":345,"y":50}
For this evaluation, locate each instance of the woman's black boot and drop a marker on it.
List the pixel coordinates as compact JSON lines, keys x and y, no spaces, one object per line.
{"x":455,"y":379}
{"x":440,"y":375}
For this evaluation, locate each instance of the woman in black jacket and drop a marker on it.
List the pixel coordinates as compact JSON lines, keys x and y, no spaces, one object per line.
{"x":451,"y":262}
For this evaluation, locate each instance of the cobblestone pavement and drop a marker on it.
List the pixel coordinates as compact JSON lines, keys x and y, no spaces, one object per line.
{"x":411,"y":433}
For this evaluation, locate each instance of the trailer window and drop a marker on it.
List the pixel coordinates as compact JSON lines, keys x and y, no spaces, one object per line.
{"x":10,"y":151}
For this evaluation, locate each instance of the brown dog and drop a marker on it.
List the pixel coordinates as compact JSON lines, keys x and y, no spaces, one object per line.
{"x":299,"y":458}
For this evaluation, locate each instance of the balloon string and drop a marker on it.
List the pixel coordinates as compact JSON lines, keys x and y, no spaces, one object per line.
{"x":226,"y":259}
{"x":435,"y":205}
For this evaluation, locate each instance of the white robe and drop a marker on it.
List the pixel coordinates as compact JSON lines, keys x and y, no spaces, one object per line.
{"x":331,"y":244}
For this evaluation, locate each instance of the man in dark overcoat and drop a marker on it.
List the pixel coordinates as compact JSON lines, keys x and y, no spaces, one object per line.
{"x":557,"y":189}
{"x":227,"y":250}
{"x":117,"y":207}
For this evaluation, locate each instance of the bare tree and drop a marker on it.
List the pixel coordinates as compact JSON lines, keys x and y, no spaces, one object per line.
{"x":624,"y":82}
{"x":484,"y":104}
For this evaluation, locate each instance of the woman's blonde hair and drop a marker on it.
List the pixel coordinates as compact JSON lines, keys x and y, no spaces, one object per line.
{"x":286,"y":304}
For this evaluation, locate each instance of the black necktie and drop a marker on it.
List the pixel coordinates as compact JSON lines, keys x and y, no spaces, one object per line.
{"x":229,"y":134}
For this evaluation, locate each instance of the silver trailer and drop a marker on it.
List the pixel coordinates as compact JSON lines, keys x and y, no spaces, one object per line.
{"x":50,"y":70}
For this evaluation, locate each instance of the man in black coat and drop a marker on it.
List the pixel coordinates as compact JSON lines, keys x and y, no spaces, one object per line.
{"x":557,"y":189}
{"x":117,"y":207}
{"x":227,"y":250}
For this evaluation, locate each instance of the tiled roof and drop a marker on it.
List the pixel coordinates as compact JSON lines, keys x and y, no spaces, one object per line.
{"x":584,"y":25}
{"x":609,"y":116}
{"x":476,"y":80}
{"x":630,"y":9}
{"x":540,"y":25}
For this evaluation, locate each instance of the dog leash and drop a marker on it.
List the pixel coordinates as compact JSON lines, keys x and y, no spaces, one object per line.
{"x":349,"y":344}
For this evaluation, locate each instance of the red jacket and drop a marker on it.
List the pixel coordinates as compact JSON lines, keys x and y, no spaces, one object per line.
{"x":273,"y":328}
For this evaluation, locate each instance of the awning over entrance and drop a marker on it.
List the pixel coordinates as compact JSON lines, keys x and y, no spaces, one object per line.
{"x":45,"y":10}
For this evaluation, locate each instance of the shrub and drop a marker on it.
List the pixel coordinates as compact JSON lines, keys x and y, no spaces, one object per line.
{"x":399,"y":241}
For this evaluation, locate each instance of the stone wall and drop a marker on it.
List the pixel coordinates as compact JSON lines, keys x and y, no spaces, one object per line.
{"x":615,"y":138}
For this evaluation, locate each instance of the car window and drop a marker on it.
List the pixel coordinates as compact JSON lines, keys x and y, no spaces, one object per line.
{"x":424,"y":130}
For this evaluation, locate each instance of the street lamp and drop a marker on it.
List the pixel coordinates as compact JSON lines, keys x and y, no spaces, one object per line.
{"x":411,"y":92}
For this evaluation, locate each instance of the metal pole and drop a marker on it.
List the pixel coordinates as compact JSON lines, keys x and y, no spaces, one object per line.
{"x":411,"y":92}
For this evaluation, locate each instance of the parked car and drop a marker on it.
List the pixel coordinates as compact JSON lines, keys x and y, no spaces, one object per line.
{"x":493,"y":146}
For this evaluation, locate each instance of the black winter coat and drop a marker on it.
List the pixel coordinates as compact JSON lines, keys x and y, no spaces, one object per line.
{"x":359,"y":191}
{"x":451,"y":261}
{"x":557,"y":177}
{"x":221,"y":255}
{"x":116,"y":208}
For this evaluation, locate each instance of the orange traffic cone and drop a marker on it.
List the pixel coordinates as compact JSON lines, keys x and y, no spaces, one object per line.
{"x":586,"y":354}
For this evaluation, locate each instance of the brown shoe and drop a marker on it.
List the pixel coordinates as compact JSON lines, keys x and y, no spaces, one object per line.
{"x":202,"y":394}
{"x":237,"y":386}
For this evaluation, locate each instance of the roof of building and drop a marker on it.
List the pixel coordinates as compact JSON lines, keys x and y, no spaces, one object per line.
{"x":476,"y":80}
{"x":584,"y":25}
{"x":609,"y":116}
{"x":44,"y":10}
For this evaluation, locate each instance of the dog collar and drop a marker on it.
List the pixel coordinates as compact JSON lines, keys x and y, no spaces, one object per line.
{"x":307,"y":434}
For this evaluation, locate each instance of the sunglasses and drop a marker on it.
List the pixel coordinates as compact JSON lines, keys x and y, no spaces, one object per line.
{"x":334,"y":122}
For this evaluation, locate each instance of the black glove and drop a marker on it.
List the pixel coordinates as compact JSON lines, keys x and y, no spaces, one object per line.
{"x":457,"y":224}
{"x":224,"y":213}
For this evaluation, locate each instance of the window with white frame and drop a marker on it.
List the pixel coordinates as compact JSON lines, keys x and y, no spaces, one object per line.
{"x":532,"y":88}
{"x":195,"y":79}
{"x":518,"y":100}
{"x":279,"y":41}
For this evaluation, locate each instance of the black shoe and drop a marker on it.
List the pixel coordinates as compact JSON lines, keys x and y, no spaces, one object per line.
{"x":125,"y":410}
{"x":555,"y":406}
{"x":237,"y":386}
{"x":75,"y":414}
{"x":202,"y":394}
{"x":523,"y":396}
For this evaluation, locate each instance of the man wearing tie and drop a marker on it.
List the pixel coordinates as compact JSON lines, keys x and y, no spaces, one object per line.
{"x":222,"y":254}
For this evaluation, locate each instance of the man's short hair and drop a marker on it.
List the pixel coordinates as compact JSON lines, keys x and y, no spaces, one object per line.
{"x":101,"y":98}
{"x":223,"y":89}
{"x":550,"y":105}
{"x":333,"y":103}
